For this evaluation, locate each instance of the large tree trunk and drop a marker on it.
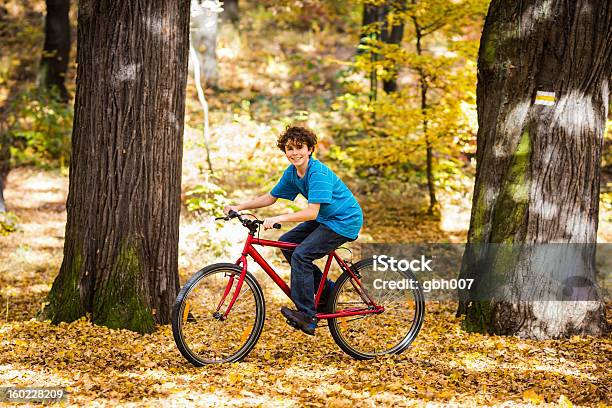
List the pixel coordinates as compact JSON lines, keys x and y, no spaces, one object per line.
{"x":56,"y":50}
{"x":121,"y":249}
{"x":538,"y":166}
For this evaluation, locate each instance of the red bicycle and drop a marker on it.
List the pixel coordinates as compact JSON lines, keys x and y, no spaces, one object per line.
{"x":219,"y":314}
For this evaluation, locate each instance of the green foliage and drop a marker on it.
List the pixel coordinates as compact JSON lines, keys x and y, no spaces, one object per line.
{"x":212,"y":243}
{"x":40,"y":128}
{"x":8,"y":223}
{"x":607,"y":152}
{"x":386,"y":136}
{"x":208,"y":198}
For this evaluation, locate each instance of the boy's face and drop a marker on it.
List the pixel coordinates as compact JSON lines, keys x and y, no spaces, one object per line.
{"x":298,"y":154}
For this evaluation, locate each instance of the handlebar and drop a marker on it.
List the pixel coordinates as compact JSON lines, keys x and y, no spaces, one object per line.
{"x":250,"y":224}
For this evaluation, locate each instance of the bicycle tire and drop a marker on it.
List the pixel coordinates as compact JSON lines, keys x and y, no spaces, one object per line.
{"x":344,"y":290}
{"x":188,"y":325}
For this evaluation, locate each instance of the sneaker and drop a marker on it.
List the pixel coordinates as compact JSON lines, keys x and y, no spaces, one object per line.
{"x":299,"y":320}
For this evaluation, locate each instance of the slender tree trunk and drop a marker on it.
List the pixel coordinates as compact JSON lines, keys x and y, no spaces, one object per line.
{"x":538,"y":165}
{"x":204,"y":29}
{"x":378,"y":14}
{"x":5,"y":157}
{"x":56,"y":50}
{"x":431,"y":187}
{"x":230,"y":11}
{"x":373,"y":14}
{"x":373,"y":81}
{"x":394,"y":36}
{"x":22,"y":76}
{"x":424,"y":88}
{"x":121,"y":248}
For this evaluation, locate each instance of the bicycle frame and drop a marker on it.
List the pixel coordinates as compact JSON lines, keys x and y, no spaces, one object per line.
{"x":249,"y":250}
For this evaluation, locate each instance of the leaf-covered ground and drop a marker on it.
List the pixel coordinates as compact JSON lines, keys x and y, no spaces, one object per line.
{"x":98,"y":365}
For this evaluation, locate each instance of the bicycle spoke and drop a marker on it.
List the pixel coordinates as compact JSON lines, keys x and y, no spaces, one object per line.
{"x":208,"y":336}
{"x":365,"y":336}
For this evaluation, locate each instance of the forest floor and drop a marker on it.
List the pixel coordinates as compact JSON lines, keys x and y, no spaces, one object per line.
{"x":98,"y":365}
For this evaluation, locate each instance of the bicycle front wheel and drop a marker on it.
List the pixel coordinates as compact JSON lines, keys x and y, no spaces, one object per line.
{"x":391,"y":332}
{"x":201,"y":332}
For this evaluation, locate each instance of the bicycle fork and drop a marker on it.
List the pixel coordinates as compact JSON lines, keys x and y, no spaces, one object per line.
{"x":222,"y":316}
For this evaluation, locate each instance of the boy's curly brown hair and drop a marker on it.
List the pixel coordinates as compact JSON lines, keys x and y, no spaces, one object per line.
{"x":297,"y":134}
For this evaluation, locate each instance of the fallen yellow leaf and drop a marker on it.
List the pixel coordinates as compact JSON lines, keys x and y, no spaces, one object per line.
{"x":533,"y":397}
{"x":565,"y":402}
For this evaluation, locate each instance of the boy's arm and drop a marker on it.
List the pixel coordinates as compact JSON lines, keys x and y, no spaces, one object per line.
{"x":259,"y":202}
{"x":306,"y":214}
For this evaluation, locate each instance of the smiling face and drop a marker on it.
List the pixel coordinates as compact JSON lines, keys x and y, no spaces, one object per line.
{"x":298,"y":154}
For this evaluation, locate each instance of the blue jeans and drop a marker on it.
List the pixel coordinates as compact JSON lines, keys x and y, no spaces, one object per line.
{"x":315,"y":241}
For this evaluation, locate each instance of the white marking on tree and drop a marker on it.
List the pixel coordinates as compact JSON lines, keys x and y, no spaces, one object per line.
{"x":127,"y":73}
{"x":513,"y":124}
{"x":545,"y":98}
{"x":576,"y":111}
{"x":156,"y":26}
{"x":548,"y":210}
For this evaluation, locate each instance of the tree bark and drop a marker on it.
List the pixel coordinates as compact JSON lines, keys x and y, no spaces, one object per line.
{"x":121,"y":248}
{"x":538,"y":166}
{"x":56,"y":50}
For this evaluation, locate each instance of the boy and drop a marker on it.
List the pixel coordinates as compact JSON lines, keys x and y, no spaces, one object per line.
{"x":332,"y":218}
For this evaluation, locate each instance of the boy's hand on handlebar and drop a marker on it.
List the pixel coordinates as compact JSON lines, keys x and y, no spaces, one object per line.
{"x":228,"y":208}
{"x":268,"y":223}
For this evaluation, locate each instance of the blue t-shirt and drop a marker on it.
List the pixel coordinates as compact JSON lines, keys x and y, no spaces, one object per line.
{"x":339,"y":210}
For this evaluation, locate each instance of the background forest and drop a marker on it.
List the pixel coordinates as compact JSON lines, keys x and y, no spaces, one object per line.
{"x":396,"y":119}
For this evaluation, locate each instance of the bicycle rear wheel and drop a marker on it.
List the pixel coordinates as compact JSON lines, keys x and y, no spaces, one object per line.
{"x":201,"y":333}
{"x":391,"y":332}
